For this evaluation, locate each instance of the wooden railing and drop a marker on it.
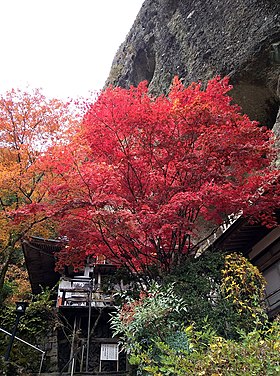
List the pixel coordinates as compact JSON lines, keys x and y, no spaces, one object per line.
{"x":81,"y":293}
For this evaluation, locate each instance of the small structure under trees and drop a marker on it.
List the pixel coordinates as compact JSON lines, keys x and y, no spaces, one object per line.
{"x":84,"y":302}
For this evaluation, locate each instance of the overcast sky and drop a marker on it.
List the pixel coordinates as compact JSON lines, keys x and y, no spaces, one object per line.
{"x":65,"y":47}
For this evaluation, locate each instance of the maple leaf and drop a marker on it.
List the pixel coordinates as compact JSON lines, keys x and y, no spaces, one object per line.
{"x":147,"y":177}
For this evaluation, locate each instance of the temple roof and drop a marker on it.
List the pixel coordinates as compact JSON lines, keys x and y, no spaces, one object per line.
{"x":241,"y":236}
{"x":40,"y":260}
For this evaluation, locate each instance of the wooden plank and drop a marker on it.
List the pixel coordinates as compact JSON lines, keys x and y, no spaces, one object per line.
{"x":105,"y":340}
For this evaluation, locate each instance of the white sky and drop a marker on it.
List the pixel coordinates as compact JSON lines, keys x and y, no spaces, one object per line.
{"x":65,"y":47}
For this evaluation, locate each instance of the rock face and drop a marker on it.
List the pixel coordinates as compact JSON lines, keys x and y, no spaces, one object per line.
{"x":198,"y":39}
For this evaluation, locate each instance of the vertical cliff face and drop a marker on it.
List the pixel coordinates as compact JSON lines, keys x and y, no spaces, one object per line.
{"x":198,"y":39}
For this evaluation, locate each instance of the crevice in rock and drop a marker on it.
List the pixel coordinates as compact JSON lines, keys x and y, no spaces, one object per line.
{"x":257,"y":101}
{"x":144,"y":64}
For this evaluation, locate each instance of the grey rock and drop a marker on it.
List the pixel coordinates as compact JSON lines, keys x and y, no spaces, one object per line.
{"x":197,"y":40}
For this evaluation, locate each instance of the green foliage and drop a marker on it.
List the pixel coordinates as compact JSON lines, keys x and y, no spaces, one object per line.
{"x":40,"y":318}
{"x":216,"y":286}
{"x":11,"y":369}
{"x":197,"y":281}
{"x":218,"y":295}
{"x":157,"y":314}
{"x":7,"y":291}
{"x":256,"y":353}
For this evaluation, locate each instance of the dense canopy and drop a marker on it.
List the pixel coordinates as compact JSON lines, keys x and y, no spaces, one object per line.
{"x":147,"y":177}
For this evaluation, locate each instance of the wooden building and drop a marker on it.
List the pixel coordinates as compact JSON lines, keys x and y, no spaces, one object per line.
{"x":85,"y":301}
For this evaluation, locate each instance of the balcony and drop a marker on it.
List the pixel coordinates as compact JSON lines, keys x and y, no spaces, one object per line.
{"x":82,"y":292}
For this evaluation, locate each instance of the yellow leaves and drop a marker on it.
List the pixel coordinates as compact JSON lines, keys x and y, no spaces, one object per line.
{"x":276,"y":345}
{"x":217,"y":344}
{"x":18,"y":278}
{"x":242,"y":284}
{"x":4,"y":233}
{"x":227,"y":278}
{"x":176,"y":103}
{"x":189,"y":329}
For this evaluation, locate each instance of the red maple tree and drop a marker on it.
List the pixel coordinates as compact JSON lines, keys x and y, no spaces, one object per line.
{"x":145,"y":175}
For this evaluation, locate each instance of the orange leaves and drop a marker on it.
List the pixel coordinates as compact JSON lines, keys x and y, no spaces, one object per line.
{"x":29,"y":124}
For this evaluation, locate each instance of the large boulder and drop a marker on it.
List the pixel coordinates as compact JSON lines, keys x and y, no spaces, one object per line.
{"x":199,"y":39}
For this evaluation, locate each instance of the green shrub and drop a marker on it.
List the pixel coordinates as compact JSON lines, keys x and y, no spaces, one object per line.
{"x":255,"y":354}
{"x":157,"y":314}
{"x":40,"y":318}
{"x":218,"y":298}
{"x":227,"y":289}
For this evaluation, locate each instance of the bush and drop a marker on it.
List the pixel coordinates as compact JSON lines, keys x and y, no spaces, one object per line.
{"x":218,"y":298}
{"x":255,"y":354}
{"x":39,"y":319}
{"x":227,"y":289}
{"x":157,"y":314}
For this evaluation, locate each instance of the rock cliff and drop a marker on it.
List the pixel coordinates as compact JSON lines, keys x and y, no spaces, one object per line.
{"x":198,"y":39}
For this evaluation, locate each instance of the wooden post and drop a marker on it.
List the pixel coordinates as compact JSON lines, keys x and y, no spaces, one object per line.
{"x":89,"y":322}
{"x":72,"y":346}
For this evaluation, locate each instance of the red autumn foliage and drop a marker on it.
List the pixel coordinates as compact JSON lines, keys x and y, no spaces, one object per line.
{"x":145,"y":174}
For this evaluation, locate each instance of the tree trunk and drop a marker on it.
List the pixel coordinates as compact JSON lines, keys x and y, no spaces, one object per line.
{"x":4,"y":268}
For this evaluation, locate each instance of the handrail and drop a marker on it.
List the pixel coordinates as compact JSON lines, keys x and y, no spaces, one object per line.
{"x":30,"y":345}
{"x":83,"y":294}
